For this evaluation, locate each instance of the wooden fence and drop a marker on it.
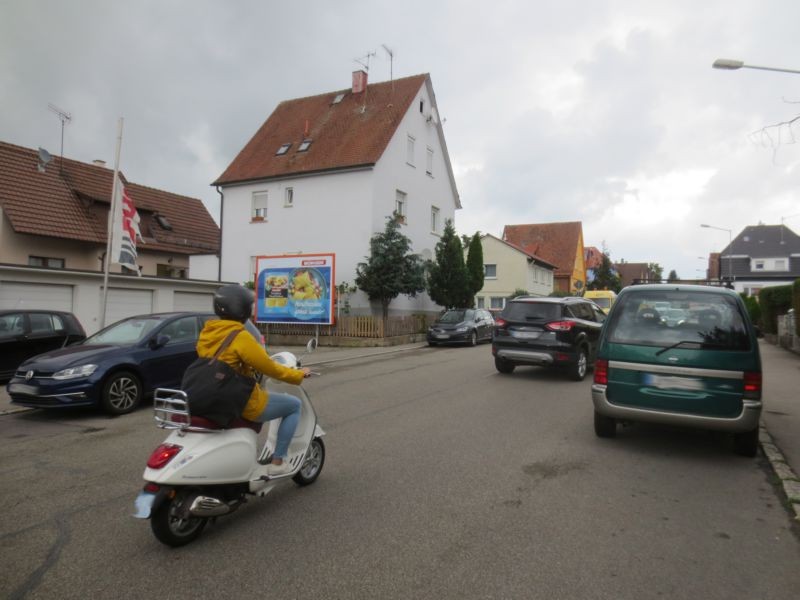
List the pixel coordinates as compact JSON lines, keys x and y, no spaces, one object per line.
{"x":356,"y":327}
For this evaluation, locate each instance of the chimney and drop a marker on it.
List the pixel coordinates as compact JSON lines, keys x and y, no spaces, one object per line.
{"x":99,"y":162}
{"x":359,"y":81}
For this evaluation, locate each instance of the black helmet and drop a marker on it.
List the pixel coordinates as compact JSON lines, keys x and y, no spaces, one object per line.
{"x":234,"y":302}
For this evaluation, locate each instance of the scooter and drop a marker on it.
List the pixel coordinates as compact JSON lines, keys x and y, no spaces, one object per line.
{"x":202,"y":471}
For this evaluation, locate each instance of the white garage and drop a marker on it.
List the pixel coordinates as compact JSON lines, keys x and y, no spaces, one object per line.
{"x":127,"y":302}
{"x":194,"y":301}
{"x":35,"y":295}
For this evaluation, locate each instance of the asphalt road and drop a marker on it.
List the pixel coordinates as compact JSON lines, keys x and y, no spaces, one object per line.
{"x":444,"y":479}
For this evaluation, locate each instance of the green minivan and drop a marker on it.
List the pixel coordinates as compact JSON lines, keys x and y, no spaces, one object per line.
{"x":701,"y":369}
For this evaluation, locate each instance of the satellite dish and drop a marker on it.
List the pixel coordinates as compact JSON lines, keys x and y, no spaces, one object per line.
{"x":44,"y":159}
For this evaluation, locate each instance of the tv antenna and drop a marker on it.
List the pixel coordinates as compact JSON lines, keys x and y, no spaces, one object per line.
{"x":65,"y":118}
{"x":390,"y":52}
{"x":364,"y":60}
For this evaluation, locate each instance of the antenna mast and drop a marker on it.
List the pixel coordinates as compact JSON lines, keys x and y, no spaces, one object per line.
{"x":391,"y":63}
{"x":65,"y":118}
{"x":366,"y":66}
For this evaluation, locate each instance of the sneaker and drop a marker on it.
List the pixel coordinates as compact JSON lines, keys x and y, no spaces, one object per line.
{"x":277,"y":470}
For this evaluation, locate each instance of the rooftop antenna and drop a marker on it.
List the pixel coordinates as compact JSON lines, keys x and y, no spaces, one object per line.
{"x":390,"y":52}
{"x":65,"y":118}
{"x":364,"y":62}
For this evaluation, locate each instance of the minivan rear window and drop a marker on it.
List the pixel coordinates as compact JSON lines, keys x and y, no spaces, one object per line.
{"x":531,"y":311}
{"x":692,"y":319}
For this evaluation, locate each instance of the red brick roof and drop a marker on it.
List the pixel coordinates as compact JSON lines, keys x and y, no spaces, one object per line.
{"x":593,"y":257}
{"x":536,"y":259}
{"x":557,"y":243}
{"x":351,"y":133}
{"x":73,"y":202}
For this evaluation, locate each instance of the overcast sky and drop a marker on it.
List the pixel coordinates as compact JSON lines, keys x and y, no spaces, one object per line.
{"x":600,"y":111}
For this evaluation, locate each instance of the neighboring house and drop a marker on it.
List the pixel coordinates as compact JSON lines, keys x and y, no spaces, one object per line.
{"x":508,"y":268}
{"x":57,"y":217}
{"x":323,"y":174}
{"x":630,"y":273}
{"x":560,"y":244}
{"x":760,"y":256}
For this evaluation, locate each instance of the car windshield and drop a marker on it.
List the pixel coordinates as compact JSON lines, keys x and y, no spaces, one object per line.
{"x":457,"y":316}
{"x":532,"y":311}
{"x":681,"y":318}
{"x":129,"y":331}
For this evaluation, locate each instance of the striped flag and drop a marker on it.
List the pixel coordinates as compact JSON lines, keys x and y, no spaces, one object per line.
{"x":126,"y":230}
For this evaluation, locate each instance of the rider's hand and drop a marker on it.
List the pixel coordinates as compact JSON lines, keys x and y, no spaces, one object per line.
{"x":306,"y":372}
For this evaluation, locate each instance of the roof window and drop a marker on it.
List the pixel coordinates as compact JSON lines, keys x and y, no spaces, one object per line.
{"x":283,"y":149}
{"x":304,"y":145}
{"x":162,"y":221}
{"x":338,"y":99}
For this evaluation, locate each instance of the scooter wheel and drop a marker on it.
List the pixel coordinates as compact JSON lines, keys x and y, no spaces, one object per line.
{"x":171,"y":523}
{"x":312,"y":465}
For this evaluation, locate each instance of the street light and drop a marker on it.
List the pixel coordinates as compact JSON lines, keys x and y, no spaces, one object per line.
{"x":732,"y":65}
{"x":730,"y":241}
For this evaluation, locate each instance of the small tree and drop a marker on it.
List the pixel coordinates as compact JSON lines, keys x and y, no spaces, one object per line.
{"x":656,"y":270}
{"x":673,"y":276}
{"x":475,"y":269}
{"x":448,"y":281}
{"x":605,"y":277}
{"x":391,"y":269}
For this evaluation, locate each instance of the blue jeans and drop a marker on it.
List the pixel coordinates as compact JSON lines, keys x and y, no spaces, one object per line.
{"x":287,"y":408}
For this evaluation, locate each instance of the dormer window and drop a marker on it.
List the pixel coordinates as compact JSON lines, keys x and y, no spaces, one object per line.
{"x":163,"y":223}
{"x":338,"y":99}
{"x":283,"y":149}
{"x":304,"y":145}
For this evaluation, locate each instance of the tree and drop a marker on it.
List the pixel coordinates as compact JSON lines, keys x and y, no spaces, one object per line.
{"x":605,"y":277}
{"x":673,"y":276}
{"x":475,"y":269}
{"x":656,"y":270}
{"x":391,"y":269}
{"x":448,"y":281}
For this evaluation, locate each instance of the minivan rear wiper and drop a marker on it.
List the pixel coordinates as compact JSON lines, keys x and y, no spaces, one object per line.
{"x":682,"y":342}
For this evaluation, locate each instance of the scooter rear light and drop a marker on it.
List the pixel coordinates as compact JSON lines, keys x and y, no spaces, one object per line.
{"x":601,"y":371}
{"x":162,"y":455}
{"x":560,"y":325}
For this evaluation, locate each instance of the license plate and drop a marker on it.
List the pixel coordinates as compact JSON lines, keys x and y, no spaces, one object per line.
{"x":144,"y":505}
{"x":442,"y":336}
{"x":526,"y":335}
{"x":671,"y":382}
{"x":21,"y":388}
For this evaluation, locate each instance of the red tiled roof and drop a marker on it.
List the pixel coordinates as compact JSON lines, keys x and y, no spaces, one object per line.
{"x":593,"y":257}
{"x":536,"y":259}
{"x":351,"y":133}
{"x":557,"y":243}
{"x":73,"y":202}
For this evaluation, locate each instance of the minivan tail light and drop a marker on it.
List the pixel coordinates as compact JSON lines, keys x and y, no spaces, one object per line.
{"x":752,"y":385}
{"x":560,"y":325}
{"x":601,"y":371}
{"x":162,"y":455}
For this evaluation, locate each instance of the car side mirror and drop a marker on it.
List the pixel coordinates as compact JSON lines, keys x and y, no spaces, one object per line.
{"x":159,"y":341}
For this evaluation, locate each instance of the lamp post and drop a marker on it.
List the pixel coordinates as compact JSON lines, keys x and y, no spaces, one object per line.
{"x":730,"y":242}
{"x":732,"y":65}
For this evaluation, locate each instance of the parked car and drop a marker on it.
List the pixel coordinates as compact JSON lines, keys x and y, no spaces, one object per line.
{"x":26,"y":333}
{"x":549,"y":332}
{"x":703,"y":370}
{"x":114,"y":368}
{"x":462,"y":325}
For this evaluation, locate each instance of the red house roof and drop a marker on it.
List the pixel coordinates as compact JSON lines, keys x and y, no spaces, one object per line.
{"x":72,"y":202}
{"x":557,"y":243}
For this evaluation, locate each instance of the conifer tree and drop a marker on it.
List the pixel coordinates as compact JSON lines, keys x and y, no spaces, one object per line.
{"x":475,"y":269}
{"x":448,"y":281}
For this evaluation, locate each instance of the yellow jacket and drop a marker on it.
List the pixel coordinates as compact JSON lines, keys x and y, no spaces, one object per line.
{"x":246,"y":356}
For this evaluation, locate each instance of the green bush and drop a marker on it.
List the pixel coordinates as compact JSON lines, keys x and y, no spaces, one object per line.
{"x":776,"y":300}
{"x":753,"y":308}
{"x":796,"y":305}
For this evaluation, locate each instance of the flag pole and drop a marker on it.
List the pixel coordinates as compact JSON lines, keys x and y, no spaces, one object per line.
{"x":111,"y":233}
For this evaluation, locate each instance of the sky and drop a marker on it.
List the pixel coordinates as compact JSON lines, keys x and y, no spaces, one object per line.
{"x":600,"y":111}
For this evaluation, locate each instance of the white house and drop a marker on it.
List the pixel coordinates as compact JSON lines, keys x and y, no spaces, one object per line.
{"x":508,"y":268}
{"x":323,"y":174}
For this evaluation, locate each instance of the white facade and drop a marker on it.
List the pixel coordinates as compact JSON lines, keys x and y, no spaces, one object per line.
{"x":339,"y":212}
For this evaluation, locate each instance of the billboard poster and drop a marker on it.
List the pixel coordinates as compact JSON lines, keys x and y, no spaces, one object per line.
{"x":295,"y":288}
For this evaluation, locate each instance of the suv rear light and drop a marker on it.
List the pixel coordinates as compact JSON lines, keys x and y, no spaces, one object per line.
{"x":752,"y":385}
{"x":560,"y":325}
{"x":498,"y":322}
{"x":162,"y":455}
{"x":601,"y":371}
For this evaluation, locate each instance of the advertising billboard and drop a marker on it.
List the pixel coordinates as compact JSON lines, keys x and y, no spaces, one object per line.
{"x":295,"y":288}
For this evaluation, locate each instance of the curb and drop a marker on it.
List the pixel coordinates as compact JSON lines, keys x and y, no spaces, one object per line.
{"x":790,"y":482}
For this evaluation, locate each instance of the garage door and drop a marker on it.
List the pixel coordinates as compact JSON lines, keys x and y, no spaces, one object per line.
{"x":35,"y":295}
{"x":195,"y":301}
{"x":123,"y":303}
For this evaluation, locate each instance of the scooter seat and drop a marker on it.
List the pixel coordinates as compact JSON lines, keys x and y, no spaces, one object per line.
{"x":235,"y":424}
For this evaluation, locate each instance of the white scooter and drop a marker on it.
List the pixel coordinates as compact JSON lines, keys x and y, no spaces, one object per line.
{"x":201,"y":471}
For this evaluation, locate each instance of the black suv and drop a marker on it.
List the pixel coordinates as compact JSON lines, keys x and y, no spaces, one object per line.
{"x":550,"y":332}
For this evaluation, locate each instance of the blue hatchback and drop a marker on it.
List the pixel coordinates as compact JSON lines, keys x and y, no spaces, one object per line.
{"x":113,"y":369}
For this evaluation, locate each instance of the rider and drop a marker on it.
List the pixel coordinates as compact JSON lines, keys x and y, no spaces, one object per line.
{"x":234,"y":305}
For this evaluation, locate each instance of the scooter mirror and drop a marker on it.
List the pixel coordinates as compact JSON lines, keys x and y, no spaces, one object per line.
{"x":311,"y":345}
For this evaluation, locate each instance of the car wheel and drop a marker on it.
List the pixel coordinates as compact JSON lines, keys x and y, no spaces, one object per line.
{"x":122,"y":393}
{"x":746,"y":443}
{"x":577,"y":371}
{"x":504,"y":366}
{"x":604,"y":427}
{"x":473,"y":338}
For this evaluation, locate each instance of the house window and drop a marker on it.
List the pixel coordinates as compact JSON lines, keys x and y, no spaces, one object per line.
{"x":429,"y":162}
{"x":259,"y":206}
{"x":410,"y":150}
{"x":288,"y":197}
{"x":780,"y":264}
{"x":304,"y":145}
{"x":490,"y":272}
{"x":498,"y":302}
{"x":434,"y":219}
{"x":479,"y":302}
{"x":421,"y":106}
{"x":284,"y":148}
{"x":170,"y":271}
{"x":400,"y":206}
{"x":759,"y":265}
{"x":46,"y":261}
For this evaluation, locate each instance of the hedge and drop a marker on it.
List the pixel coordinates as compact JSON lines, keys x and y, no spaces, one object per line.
{"x":796,"y":304}
{"x":775,"y":300}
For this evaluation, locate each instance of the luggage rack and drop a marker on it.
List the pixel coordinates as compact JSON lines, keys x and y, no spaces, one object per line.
{"x":171,"y":411}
